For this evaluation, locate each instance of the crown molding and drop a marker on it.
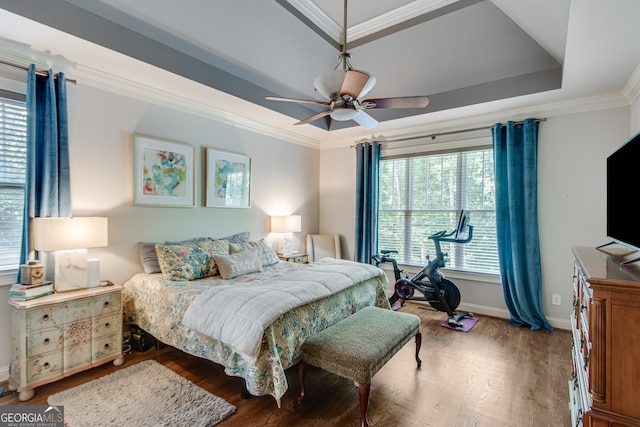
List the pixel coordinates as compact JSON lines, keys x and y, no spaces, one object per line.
{"x":472,"y":121}
{"x":22,"y":56}
{"x":632,"y":89}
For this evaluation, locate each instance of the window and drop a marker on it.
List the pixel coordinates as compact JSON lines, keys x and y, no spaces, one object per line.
{"x":424,"y":193}
{"x":13,"y":148}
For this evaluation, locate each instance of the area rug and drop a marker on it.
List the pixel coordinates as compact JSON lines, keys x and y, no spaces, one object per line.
{"x":467,"y":324}
{"x":145,"y":394}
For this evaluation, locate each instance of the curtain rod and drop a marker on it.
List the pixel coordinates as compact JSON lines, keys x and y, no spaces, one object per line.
{"x":453,"y":132}
{"x":40,"y":73}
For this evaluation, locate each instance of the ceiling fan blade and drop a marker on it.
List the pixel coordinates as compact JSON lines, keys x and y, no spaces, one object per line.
{"x":356,"y":84}
{"x":365,"y":120}
{"x":400,"y":102}
{"x":313,"y":118}
{"x":301,"y":101}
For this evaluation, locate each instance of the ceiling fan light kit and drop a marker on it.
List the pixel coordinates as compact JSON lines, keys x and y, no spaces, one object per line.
{"x":344,"y":87}
{"x":344,"y":114}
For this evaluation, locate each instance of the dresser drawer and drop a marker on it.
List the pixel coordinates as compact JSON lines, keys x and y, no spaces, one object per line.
{"x":76,"y":310}
{"x":44,"y":366}
{"x":106,"y":346}
{"x":44,"y":341}
{"x":106,"y":325}
{"x":105,"y":304}
{"x":77,"y":332}
{"x":44,"y":318}
{"x":77,"y":355}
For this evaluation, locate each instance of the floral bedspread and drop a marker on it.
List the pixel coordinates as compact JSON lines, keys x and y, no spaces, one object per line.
{"x":158,"y":306}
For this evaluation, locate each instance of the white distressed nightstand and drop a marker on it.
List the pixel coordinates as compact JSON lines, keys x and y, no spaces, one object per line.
{"x":299,"y":258}
{"x":58,"y":335}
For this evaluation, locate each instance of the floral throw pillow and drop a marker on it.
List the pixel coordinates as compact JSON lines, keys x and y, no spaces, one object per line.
{"x":266,"y":255}
{"x":191,"y":261}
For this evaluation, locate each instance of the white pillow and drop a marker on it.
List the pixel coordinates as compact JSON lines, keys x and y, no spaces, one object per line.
{"x":237,"y":264}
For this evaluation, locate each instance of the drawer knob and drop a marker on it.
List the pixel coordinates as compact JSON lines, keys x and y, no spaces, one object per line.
{"x":45,"y":317}
{"x":46,"y":365}
{"x":47,"y":341}
{"x":106,"y":346}
{"x":106,"y":303}
{"x":107,"y":325}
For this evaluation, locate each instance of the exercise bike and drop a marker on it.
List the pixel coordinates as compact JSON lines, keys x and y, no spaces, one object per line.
{"x":441,"y":293}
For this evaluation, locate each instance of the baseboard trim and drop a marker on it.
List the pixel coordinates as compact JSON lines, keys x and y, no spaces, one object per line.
{"x":564,"y":324}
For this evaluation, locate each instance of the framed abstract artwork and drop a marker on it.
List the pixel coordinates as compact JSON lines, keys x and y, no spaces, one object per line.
{"x":228,"y":180}
{"x":163,"y":172}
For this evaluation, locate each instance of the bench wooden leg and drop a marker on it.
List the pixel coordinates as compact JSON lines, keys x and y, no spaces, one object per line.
{"x":301,"y":367}
{"x":418,"y":345}
{"x":363,"y":393}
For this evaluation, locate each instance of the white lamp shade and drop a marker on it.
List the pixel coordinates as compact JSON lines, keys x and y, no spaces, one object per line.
{"x":57,"y":234}
{"x":286,"y":224}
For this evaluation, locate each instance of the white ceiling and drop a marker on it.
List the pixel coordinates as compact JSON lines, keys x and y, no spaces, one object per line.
{"x":469,"y":56}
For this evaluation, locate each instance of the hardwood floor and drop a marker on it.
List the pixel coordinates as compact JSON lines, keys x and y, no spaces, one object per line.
{"x":494,"y":375}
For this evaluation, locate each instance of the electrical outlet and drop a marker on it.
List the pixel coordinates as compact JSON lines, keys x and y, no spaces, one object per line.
{"x":556,"y":299}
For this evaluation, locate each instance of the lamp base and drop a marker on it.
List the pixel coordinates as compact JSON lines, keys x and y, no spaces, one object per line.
{"x":71,"y":270}
{"x":286,"y":244}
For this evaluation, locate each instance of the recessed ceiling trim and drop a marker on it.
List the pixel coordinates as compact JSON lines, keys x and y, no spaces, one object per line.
{"x":395,"y":17}
{"x":377,"y":25}
{"x":309,"y":9}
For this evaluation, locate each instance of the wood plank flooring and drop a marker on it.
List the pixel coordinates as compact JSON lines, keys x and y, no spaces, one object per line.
{"x":495,"y":375}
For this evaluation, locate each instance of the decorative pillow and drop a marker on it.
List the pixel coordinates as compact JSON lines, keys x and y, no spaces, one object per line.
{"x":186,"y":242}
{"x":237,"y":264}
{"x":191,"y":261}
{"x":149,"y":258}
{"x":265,"y":253}
{"x":212,"y":248}
{"x":237,"y":238}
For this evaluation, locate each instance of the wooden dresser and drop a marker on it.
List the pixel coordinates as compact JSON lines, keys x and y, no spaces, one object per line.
{"x":64,"y":333}
{"x":605,"y":386}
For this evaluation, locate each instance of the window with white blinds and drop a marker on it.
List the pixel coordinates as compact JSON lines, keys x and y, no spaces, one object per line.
{"x":13,"y":152}
{"x":423,"y":194}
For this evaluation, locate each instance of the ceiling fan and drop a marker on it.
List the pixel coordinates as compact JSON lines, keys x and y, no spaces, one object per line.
{"x":344,"y":87}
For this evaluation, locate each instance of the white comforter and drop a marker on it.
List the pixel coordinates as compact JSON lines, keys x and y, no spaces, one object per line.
{"x":238,"y":313}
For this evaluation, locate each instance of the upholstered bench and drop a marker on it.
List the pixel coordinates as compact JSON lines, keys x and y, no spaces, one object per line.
{"x":358,"y":346}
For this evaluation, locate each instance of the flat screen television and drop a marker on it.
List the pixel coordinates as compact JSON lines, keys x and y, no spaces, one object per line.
{"x":623,"y":220}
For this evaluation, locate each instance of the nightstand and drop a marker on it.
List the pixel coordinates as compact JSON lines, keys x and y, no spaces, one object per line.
{"x":299,"y":258}
{"x":58,"y":335}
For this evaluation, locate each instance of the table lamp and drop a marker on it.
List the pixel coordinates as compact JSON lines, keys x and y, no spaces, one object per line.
{"x":69,"y":238}
{"x":287,"y":225}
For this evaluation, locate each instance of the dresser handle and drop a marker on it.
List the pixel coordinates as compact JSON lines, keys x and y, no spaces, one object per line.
{"x":106,"y":303}
{"x":46,"y":341}
{"x":45,"y":317}
{"x":106,"y":346}
{"x":107,"y":325}
{"x":46,"y":365}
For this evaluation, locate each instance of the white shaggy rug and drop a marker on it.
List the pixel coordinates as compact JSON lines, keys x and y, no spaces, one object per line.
{"x":145,"y":394}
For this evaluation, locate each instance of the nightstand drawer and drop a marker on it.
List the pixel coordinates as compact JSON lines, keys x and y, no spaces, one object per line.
{"x":106,"y":325}
{"x":77,"y":355}
{"x":43,"y":366}
{"x":106,"y":346}
{"x":105,"y":304}
{"x":44,"y":342}
{"x":77,"y":332}
{"x":44,"y":318}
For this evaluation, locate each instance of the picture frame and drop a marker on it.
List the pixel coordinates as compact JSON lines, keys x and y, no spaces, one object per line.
{"x":228,"y":180}
{"x":163,"y":172}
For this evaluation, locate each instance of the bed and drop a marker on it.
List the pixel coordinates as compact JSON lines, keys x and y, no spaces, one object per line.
{"x":158,"y":304}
